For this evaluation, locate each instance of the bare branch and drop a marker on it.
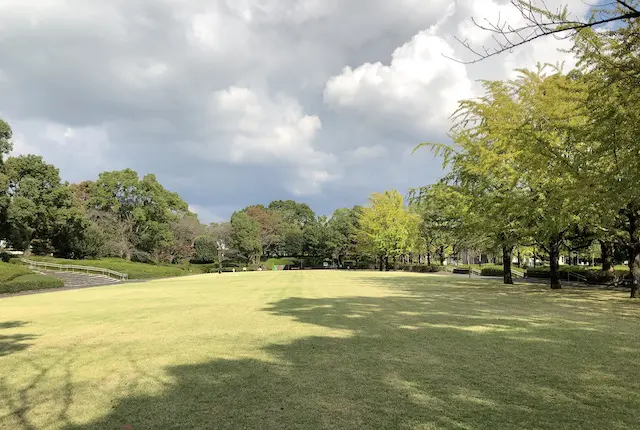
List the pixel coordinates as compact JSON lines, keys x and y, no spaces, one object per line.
{"x":541,"y":22}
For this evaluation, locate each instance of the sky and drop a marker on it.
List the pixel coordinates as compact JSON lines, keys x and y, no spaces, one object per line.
{"x":238,"y":102}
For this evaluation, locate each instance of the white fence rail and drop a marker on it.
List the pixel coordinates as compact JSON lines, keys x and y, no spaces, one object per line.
{"x":75,"y":268}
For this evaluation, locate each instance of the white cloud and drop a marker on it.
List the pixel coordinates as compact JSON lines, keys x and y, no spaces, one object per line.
{"x":275,"y":132}
{"x":419,"y":89}
{"x":234,"y":102}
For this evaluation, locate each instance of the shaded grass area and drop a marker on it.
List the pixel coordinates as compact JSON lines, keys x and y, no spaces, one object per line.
{"x":321,"y":350}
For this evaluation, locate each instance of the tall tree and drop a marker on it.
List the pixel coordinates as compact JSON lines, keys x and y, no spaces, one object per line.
{"x":5,"y":140}
{"x":293,"y":212}
{"x":246,"y":236}
{"x":36,"y":200}
{"x":270,"y":222}
{"x":386,"y":225}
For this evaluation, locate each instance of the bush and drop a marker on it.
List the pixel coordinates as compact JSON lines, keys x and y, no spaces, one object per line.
{"x":9,"y":272}
{"x":29,"y":282}
{"x":593,"y":276}
{"x":492,"y":271}
{"x":206,"y":249}
{"x":421,"y":268}
{"x":5,"y":257}
{"x":138,"y":256}
{"x":280,"y":262}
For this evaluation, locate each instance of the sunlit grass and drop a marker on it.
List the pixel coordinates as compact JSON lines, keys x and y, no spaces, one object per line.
{"x":319,"y":349}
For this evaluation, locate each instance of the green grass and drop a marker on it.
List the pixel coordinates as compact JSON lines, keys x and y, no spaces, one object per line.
{"x":12,"y":271}
{"x":134,"y":270}
{"x":33,"y":281}
{"x":320,"y":349}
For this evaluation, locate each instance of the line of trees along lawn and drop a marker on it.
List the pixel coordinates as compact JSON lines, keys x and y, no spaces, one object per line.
{"x":544,"y":164}
{"x":550,"y":159}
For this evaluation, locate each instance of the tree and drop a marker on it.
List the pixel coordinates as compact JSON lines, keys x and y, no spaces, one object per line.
{"x":524,"y":159}
{"x":385,"y":226}
{"x":5,"y":140}
{"x":144,"y":203}
{"x":317,"y":238}
{"x":270,"y":222}
{"x":444,"y":220}
{"x":541,"y":21}
{"x":246,"y":236}
{"x":344,"y":224}
{"x":293,"y":212}
{"x":36,"y":199}
{"x":610,"y":62}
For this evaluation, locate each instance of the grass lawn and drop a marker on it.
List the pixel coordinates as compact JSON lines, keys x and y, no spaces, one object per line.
{"x":320,"y":349}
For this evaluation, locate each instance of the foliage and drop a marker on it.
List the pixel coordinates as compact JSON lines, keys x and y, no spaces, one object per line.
{"x":492,"y":270}
{"x":206,"y":249}
{"x":30,"y":282}
{"x":385,"y":226}
{"x":246,"y":236}
{"x":12,"y":271}
{"x":280,"y":262}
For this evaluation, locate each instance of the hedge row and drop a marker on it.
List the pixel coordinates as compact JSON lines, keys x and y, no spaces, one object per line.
{"x":492,"y":271}
{"x":9,"y":272}
{"x":593,"y":276}
{"x":30,"y":282}
{"x":421,"y":268}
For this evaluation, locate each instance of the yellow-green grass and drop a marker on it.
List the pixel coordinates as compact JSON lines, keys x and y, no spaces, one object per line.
{"x":320,"y":349}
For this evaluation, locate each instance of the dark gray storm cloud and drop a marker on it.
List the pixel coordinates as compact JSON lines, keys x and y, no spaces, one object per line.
{"x":236,"y":102}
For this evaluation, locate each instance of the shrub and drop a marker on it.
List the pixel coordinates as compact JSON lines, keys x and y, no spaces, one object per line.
{"x":9,"y":272}
{"x":5,"y":257}
{"x":421,"y":268}
{"x":138,"y":256}
{"x":593,"y":276}
{"x":206,"y":249}
{"x":492,"y":271}
{"x":29,"y":282}
{"x":280,"y":262}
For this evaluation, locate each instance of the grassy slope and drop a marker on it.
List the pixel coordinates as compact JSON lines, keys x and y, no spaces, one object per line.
{"x":319,"y":349}
{"x":15,"y":278}
{"x":12,"y":271}
{"x":134,"y":270}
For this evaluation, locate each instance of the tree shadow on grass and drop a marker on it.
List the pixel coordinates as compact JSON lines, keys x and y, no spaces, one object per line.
{"x":419,"y":359}
{"x":11,"y":343}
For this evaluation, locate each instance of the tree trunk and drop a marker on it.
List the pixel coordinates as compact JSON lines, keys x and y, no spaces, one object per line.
{"x":386,"y":263}
{"x":554,"y":255}
{"x":507,"y":252}
{"x":607,"y":255}
{"x":381,"y":263}
{"x":429,"y":258}
{"x":634,"y":251}
{"x":519,"y":259}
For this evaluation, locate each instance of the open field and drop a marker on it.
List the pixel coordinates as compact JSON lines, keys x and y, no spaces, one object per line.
{"x":320,"y":349}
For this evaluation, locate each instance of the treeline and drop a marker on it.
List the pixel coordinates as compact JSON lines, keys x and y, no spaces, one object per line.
{"x":549,"y":160}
